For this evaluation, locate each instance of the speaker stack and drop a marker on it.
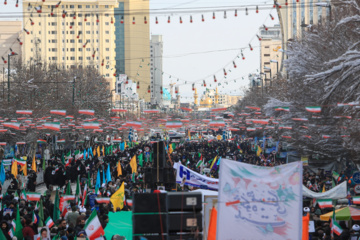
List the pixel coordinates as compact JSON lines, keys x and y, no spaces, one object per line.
{"x":167,"y":216}
{"x":159,"y":174}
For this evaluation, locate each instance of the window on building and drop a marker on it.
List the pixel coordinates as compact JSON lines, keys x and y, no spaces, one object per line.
{"x":88,"y":24}
{"x":72,"y":58}
{"x":266,"y":63}
{"x":79,"y":6}
{"x":107,"y":40}
{"x":88,"y":49}
{"x":72,"y":6}
{"x":31,"y":50}
{"x":267,"y":47}
{"x":106,"y":6}
{"x":80,"y":49}
{"x":266,"y":55}
{"x":107,"y":49}
{"x":87,"y":6}
{"x":107,"y":23}
{"x":107,"y":58}
{"x":72,"y":32}
{"x":88,"y":58}
{"x":106,"y":14}
{"x":54,"y":50}
{"x":107,"y":32}
{"x":107,"y":66}
{"x":72,"y":40}
{"x":54,"y":58}
{"x":39,"y":23}
{"x":80,"y":23}
{"x":72,"y":49}
{"x":80,"y":40}
{"x":107,"y":75}
{"x":54,"y":24}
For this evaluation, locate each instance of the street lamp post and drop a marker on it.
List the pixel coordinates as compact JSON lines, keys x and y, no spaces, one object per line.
{"x":9,"y":55}
{"x":277,"y":64}
{"x":269,"y":70}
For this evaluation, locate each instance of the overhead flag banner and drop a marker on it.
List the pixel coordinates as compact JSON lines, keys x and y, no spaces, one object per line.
{"x":313,"y":109}
{"x":217,"y":123}
{"x":52,"y":126}
{"x":13,"y":125}
{"x":118,"y":110}
{"x":91,"y":125}
{"x":285,"y":109}
{"x":151,"y":111}
{"x":87,"y":112}
{"x":259,"y":202}
{"x":24,"y":112}
{"x":173,"y":124}
{"x":58,"y":112}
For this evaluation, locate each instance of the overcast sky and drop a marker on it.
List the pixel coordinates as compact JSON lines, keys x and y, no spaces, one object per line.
{"x":196,"y":51}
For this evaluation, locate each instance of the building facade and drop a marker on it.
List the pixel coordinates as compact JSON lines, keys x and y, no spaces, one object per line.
{"x":297,"y":16}
{"x":133,"y":43}
{"x":156,"y":68}
{"x":81,"y":33}
{"x":270,"y":52}
{"x":10,"y":31}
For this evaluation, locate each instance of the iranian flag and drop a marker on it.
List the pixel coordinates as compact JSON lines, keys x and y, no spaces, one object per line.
{"x":13,"y":125}
{"x":261,"y":121}
{"x":356,"y":200}
{"x":218,"y":109}
{"x":49,"y":222}
{"x":313,"y":109}
{"x":11,"y":232}
{"x":21,"y":162}
{"x":41,"y":141}
{"x":186,"y":109}
{"x":60,"y":141}
{"x":2,"y":143}
{"x":63,"y":201}
{"x":20,"y":143}
{"x":91,"y":125}
{"x":326,"y":136}
{"x":173,"y":124}
{"x":102,"y":200}
{"x":31,"y":196}
{"x":69,"y":117}
{"x":300,"y":119}
{"x":151,"y":111}
{"x":249,"y":129}
{"x":25,"y":112}
{"x":133,"y":124}
{"x":79,"y":155}
{"x":116,"y":140}
{"x":52,"y":126}
{"x":217,"y":123}
{"x":68,"y":156}
{"x":87,"y":112}
{"x":93,"y":227}
{"x":58,"y":112}
{"x":118,"y":110}
{"x":84,"y":195}
{"x":325,"y":203}
{"x":285,"y":109}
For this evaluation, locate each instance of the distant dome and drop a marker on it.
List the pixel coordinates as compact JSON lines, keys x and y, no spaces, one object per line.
{"x":207,"y":102}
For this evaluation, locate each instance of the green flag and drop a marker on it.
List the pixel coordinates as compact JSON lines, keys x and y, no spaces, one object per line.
{"x":62,"y":159}
{"x":43,"y":164}
{"x":41,"y":214}
{"x":57,"y":237}
{"x":111,"y":150}
{"x":56,"y":213}
{"x":173,"y":146}
{"x":2,"y":236}
{"x":77,"y":191}
{"x":141,"y":159}
{"x":68,"y":188}
{"x":19,"y":228}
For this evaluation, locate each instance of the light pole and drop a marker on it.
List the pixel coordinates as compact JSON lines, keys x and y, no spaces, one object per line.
{"x":277,"y":64}
{"x":9,"y":55}
{"x":268,"y":70}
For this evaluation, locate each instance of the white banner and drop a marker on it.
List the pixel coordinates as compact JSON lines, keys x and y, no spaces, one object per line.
{"x":338,"y":192}
{"x":259,"y":203}
{"x":188,"y":177}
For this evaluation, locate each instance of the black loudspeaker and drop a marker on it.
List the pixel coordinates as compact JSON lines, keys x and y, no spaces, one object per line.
{"x":183,"y":201}
{"x":159,"y":147}
{"x":148,"y":178}
{"x":169,"y":175}
{"x":151,"y":237}
{"x":149,"y":202}
{"x":151,"y":175}
{"x":194,"y":236}
{"x":185,"y":222}
{"x":150,"y":223}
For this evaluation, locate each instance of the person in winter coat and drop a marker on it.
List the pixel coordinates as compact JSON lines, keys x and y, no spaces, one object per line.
{"x":5,"y":229}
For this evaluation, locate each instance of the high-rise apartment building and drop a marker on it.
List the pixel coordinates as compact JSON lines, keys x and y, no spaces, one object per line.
{"x":80,"y":33}
{"x":270,"y":51}
{"x":296,"y":16}
{"x":10,"y":31}
{"x":156,"y":66}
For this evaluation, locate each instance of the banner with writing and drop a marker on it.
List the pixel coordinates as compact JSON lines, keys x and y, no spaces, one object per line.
{"x":186,"y":176}
{"x":259,"y":202}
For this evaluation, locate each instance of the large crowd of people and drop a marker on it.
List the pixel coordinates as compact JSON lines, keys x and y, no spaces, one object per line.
{"x":86,"y":170}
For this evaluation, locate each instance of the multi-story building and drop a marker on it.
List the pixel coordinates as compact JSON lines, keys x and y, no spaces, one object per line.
{"x":133,"y":43}
{"x":270,"y":51}
{"x":224,"y":100}
{"x":10,"y":31}
{"x":296,"y":16}
{"x":81,"y":33}
{"x":156,"y":66}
